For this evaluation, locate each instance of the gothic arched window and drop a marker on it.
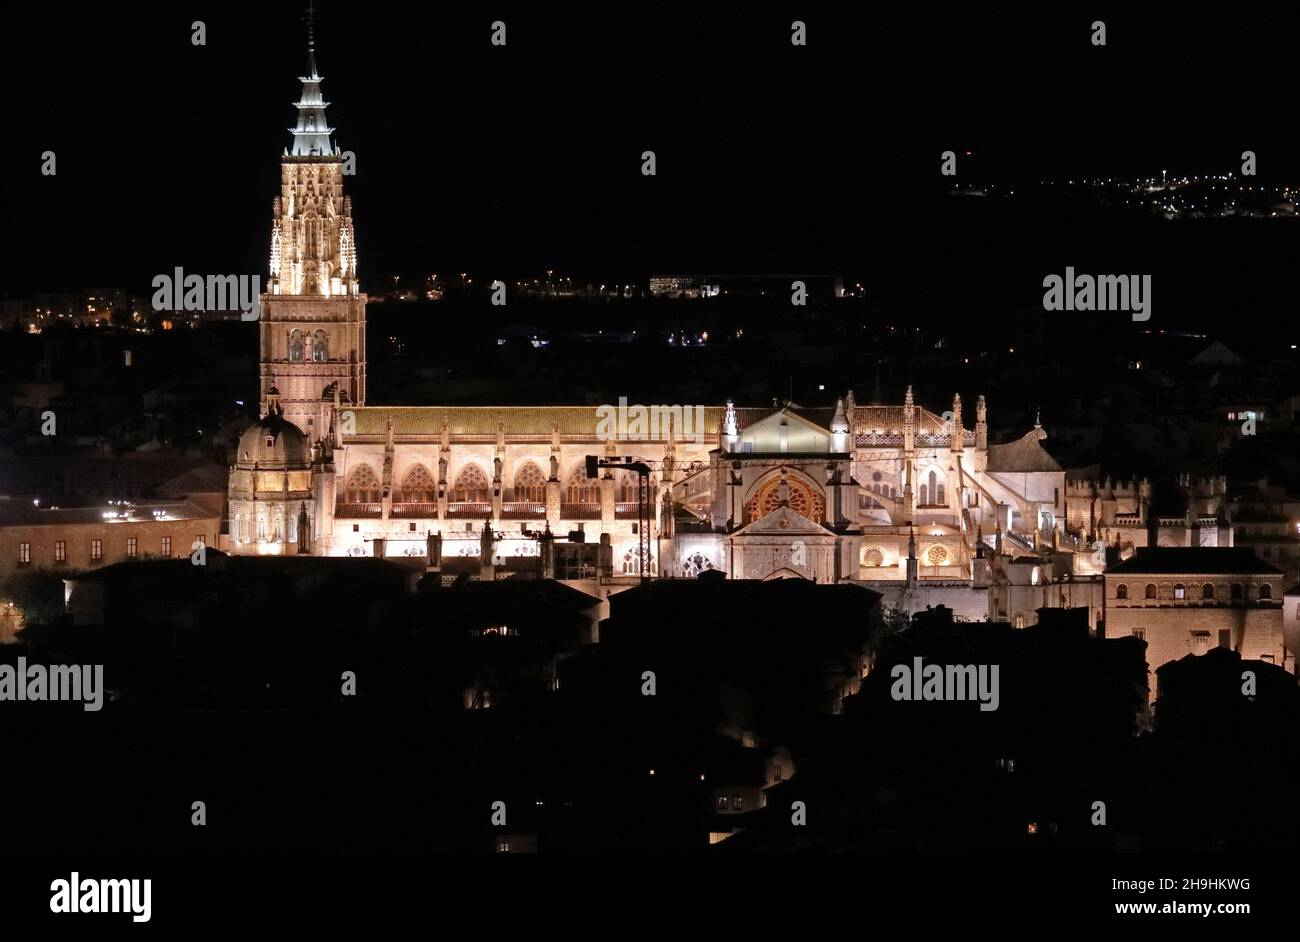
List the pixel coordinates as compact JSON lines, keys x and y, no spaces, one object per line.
{"x":319,"y":347}
{"x":932,"y":490}
{"x":581,"y":489}
{"x":297,"y":346}
{"x":530,"y":484}
{"x":472,"y":486}
{"x":632,"y":562}
{"x":867,"y":501}
{"x":363,"y":485}
{"x":693,"y":565}
{"x":418,"y":487}
{"x":311,"y":236}
{"x":628,"y":487}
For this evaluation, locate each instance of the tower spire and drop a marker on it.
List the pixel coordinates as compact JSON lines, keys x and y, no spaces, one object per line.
{"x":311,"y":138}
{"x":310,"y":18}
{"x":316,"y":350}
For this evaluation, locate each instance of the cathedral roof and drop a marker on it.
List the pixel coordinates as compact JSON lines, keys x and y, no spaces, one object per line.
{"x":539,"y":420}
{"x":1024,"y":455}
{"x":273,"y":443}
{"x":516,"y":420}
{"x":582,"y":420}
{"x":479,"y":420}
{"x":891,"y":419}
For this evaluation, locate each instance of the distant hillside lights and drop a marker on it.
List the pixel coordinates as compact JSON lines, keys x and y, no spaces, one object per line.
{"x":182,"y":292}
{"x":1098,"y":293}
{"x":649,"y":423}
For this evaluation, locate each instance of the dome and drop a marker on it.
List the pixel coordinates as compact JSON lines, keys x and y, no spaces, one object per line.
{"x":273,"y":443}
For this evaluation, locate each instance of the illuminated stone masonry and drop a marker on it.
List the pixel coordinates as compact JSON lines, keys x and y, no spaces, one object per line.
{"x":313,"y":321}
{"x":908,"y":501}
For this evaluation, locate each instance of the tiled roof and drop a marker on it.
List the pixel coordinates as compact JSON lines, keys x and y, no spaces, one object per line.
{"x":1023,"y":455}
{"x":1206,"y":560}
{"x":483,"y":420}
{"x":207,"y":477}
{"x":537,"y":420}
{"x":22,"y":513}
{"x":890,"y":418}
{"x":582,"y":420}
{"x":78,"y":471}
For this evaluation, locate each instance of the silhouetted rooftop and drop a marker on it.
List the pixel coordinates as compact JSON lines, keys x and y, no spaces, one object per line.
{"x":1215,"y":560}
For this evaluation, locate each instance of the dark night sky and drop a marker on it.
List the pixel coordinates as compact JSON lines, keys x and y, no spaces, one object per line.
{"x":505,"y":161}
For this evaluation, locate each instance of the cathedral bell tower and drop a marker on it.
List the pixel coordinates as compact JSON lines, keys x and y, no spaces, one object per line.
{"x":313,"y":314}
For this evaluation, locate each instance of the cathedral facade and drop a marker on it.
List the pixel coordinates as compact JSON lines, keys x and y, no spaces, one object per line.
{"x":893,"y":495}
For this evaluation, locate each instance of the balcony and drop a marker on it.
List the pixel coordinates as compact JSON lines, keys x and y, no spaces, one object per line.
{"x":412,"y":509}
{"x":366,"y":511}
{"x":629,"y":510}
{"x":580,"y":511}
{"x":469,"y":510}
{"x":523,"y":510}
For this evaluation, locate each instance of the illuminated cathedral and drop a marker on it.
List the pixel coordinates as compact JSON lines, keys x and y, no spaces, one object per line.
{"x":912,"y":502}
